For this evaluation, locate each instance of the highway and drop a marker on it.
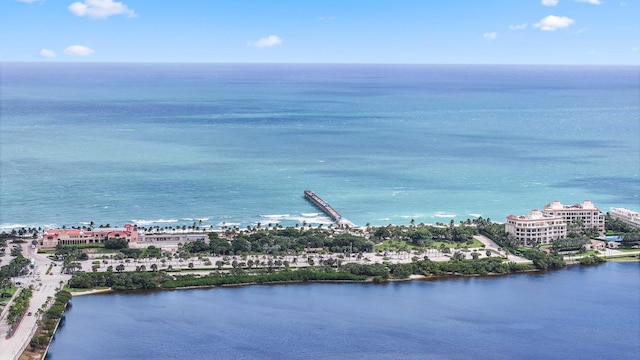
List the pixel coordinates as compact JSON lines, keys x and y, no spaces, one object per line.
{"x":45,"y":287}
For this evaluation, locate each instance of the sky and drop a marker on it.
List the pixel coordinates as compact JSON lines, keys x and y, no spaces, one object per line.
{"x":598,"y":32}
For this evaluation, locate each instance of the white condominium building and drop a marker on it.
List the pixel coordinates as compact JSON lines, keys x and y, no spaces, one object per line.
{"x":587,"y":212}
{"x":536,"y":227}
{"x":627,"y":216}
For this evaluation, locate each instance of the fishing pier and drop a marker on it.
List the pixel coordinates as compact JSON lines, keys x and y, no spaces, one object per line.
{"x":326,"y":208}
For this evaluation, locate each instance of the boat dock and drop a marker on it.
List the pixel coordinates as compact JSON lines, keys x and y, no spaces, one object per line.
{"x":326,"y":208}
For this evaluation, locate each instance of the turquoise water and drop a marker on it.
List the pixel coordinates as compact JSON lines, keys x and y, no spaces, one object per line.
{"x":578,"y":313}
{"x":164,"y":144}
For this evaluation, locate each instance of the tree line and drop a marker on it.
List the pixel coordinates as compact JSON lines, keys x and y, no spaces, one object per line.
{"x":351,"y":271}
{"x":49,"y":321}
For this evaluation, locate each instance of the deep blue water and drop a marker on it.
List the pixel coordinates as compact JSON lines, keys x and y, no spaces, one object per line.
{"x":167,"y":143}
{"x":578,"y":313}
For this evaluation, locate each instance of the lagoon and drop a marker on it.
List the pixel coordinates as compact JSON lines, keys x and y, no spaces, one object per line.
{"x":580,"y":312}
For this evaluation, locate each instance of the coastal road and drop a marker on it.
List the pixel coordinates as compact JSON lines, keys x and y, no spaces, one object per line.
{"x":490,"y":244}
{"x":45,"y":287}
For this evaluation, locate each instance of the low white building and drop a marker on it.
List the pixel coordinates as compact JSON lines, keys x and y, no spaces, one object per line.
{"x":173,"y":238}
{"x":536,"y":227}
{"x":631,"y":218}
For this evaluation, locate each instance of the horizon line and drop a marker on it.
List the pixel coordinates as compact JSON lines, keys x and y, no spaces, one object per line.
{"x":308,"y":63}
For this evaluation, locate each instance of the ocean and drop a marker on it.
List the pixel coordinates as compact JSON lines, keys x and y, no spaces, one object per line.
{"x":576,"y":313}
{"x":237,"y":144}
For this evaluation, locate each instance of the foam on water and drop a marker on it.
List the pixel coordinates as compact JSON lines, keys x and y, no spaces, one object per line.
{"x":150,"y":222}
{"x":228,"y":224}
{"x":275,"y":216}
{"x":442,"y":214}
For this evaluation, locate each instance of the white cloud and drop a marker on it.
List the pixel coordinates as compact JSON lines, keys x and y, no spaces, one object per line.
{"x":46,"y":53}
{"x":100,"y":9}
{"x":553,"y":23}
{"x":78,"y":50}
{"x":593,"y":2}
{"x":549,"y":2}
{"x":490,"y":35}
{"x":268,"y":41}
{"x":518,"y":27}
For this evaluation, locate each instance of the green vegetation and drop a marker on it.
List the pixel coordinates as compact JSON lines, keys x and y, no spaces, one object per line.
{"x":543,"y":260}
{"x":6,"y":294}
{"x":497,"y":233}
{"x":397,"y":245}
{"x":116,"y":243}
{"x":117,"y":280}
{"x":624,"y":257}
{"x":591,"y":260}
{"x":329,"y":271}
{"x":630,"y":236}
{"x":423,"y":236}
{"x":615,"y":226}
{"x":240,"y":277}
{"x":19,"y":234}
{"x":631,"y":239}
{"x":49,"y":321}
{"x":70,"y":256}
{"x":628,"y":249}
{"x":288,"y":240}
{"x":3,"y":239}
{"x":17,"y":267}
{"x":19,"y":306}
{"x":568,"y":244}
{"x":294,"y":240}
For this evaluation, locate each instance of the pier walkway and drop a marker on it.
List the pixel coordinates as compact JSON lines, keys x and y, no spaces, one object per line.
{"x":326,"y":208}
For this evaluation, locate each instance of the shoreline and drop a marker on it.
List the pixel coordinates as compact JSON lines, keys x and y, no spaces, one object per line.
{"x":370,"y":279}
{"x":91,"y":292}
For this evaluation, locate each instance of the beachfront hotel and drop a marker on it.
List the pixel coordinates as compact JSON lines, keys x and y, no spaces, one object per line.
{"x":536,"y":227}
{"x":588,"y":213}
{"x":53,"y":237}
{"x":631,"y":218}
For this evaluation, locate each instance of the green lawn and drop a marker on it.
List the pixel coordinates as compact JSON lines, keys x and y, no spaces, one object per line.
{"x":392,"y":245}
{"x":586,"y":253}
{"x":6,"y":294}
{"x":623,"y":257}
{"x":627,"y":250}
{"x":98,"y":249}
{"x":476,"y":244}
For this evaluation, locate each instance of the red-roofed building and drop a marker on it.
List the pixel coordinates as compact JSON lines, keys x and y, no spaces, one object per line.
{"x":53,"y":237}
